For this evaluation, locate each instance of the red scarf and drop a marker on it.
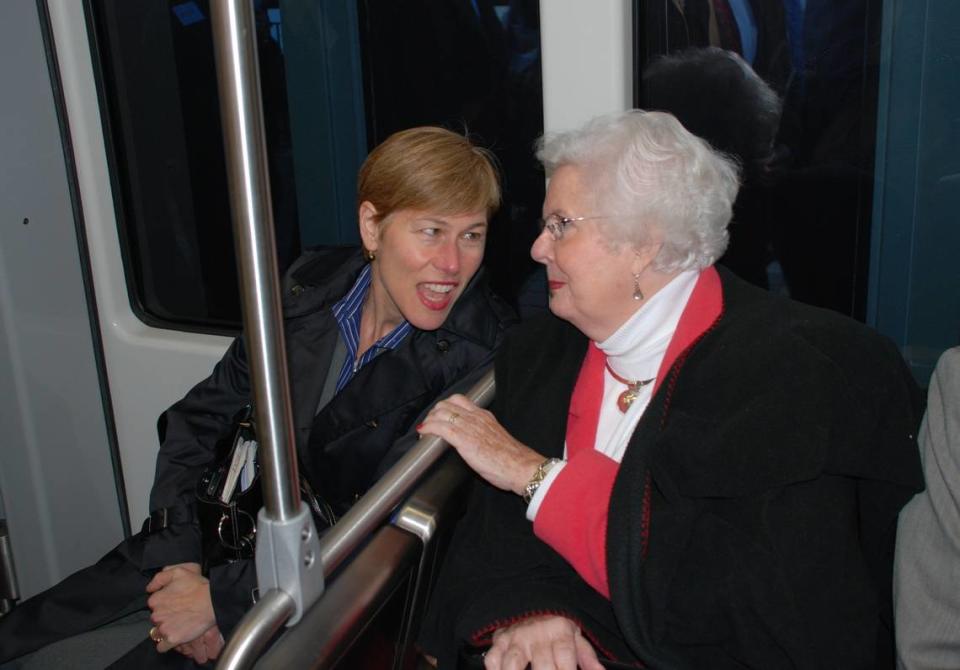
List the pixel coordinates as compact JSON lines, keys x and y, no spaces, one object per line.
{"x":702,"y":309}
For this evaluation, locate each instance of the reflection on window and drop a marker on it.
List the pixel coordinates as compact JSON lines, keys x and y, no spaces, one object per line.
{"x":474,"y":66}
{"x":275,"y":30}
{"x":333,"y":87}
{"x":801,"y":224}
{"x":159,"y":82}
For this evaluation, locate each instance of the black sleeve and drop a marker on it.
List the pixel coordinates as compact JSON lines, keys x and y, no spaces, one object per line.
{"x":232,"y":588}
{"x":460,"y":375}
{"x":404,"y":443}
{"x":189,"y":432}
{"x":497,"y":573}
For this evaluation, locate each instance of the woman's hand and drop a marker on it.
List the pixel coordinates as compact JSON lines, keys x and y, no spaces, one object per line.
{"x":545,"y":642}
{"x":180,"y":605}
{"x":205,"y":648}
{"x":483,"y":443}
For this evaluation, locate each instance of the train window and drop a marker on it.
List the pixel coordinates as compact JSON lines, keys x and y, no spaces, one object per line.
{"x":914,"y":281}
{"x":337,"y":78}
{"x":162,"y":121}
{"x":802,"y":223}
{"x":471,"y":65}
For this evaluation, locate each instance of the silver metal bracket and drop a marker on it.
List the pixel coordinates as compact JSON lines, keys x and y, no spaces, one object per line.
{"x":288,"y":559}
{"x":9,"y":591}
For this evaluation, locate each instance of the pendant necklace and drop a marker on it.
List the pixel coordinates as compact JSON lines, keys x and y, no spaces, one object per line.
{"x":625,"y":399}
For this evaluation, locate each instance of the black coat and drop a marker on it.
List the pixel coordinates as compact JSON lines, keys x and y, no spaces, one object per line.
{"x":351,"y":441}
{"x":753,"y":515}
{"x":342,"y":449}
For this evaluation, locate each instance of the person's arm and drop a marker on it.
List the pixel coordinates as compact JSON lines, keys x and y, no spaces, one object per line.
{"x":497,"y":574}
{"x":185,"y":606}
{"x":180,"y":606}
{"x":572,"y":515}
{"x":483,"y":443}
{"x":205,"y":648}
{"x":190,"y":429}
{"x":571,"y":518}
{"x":405,"y":442}
{"x":189,"y":432}
{"x":927,"y":564}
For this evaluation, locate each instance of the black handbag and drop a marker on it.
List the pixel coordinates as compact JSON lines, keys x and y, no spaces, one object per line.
{"x":229,"y":497}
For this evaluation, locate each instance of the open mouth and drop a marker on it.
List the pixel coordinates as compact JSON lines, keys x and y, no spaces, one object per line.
{"x":436,"y":295}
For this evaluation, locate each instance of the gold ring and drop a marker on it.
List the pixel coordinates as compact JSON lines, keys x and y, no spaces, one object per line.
{"x":453,"y":418}
{"x":155,"y":635}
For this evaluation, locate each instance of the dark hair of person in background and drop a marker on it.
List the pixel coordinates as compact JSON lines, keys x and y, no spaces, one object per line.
{"x":717,"y":96}
{"x":669,"y":27}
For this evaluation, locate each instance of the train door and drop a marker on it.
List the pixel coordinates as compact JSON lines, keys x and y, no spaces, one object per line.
{"x":59,"y":457}
{"x":83,"y":376}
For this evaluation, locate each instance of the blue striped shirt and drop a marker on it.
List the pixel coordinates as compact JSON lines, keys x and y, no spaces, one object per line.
{"x":347,"y":313}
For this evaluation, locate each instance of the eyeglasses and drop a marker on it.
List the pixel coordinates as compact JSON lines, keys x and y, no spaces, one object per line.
{"x":556,"y":224}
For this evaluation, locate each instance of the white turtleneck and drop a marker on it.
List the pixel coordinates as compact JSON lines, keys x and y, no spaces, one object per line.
{"x":635,"y":351}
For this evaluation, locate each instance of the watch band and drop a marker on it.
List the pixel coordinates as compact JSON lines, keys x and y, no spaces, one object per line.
{"x":531,"y":488}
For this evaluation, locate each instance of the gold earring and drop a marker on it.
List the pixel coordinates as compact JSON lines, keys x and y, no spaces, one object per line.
{"x":637,"y":293}
{"x":369,"y":255}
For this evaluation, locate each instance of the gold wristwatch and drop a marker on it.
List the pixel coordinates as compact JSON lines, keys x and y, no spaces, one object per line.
{"x":531,"y":488}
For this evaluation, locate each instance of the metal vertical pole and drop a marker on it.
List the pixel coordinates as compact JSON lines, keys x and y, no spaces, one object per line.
{"x":289,"y":574}
{"x":242,"y":117}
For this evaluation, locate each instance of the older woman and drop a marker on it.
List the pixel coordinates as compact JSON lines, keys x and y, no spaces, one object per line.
{"x":681,"y":470}
{"x":373,"y":337}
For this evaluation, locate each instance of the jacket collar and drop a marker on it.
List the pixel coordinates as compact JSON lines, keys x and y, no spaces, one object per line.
{"x":323,"y":276}
{"x":702,"y":311}
{"x":314,"y":284}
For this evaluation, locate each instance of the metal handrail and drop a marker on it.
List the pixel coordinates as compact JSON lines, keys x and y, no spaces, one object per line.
{"x":377,"y":504}
{"x":398,"y":556}
{"x":354,"y":528}
{"x":253,"y":632}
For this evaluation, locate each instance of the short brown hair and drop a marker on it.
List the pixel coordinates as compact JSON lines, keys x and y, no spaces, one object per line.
{"x":429,"y":169}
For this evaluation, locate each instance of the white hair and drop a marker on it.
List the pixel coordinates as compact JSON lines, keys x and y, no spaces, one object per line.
{"x":655,"y":181}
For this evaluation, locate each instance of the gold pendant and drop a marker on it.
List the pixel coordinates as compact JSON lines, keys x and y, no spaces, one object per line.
{"x":625,"y":399}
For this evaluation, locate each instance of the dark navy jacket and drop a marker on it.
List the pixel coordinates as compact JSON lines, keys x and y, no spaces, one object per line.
{"x":351,"y":441}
